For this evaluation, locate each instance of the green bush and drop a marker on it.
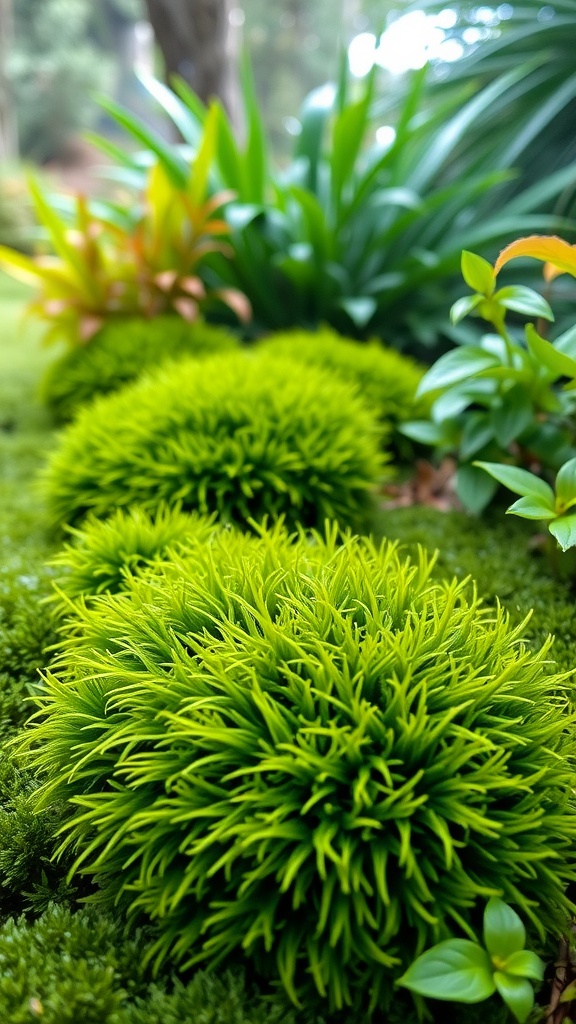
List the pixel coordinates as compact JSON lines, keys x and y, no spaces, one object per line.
{"x":311,"y":753}
{"x":386,"y":379}
{"x":104,"y":552}
{"x":26,"y":630}
{"x":122,"y":351}
{"x":241,"y":435}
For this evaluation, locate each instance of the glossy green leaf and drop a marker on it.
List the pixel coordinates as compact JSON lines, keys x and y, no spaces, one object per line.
{"x":513,"y":416}
{"x":564,"y":530}
{"x":565,"y":486}
{"x":187,"y":124}
{"x":459,"y":364}
{"x":517,"y":993}
{"x":504,"y":931}
{"x":531,"y":507}
{"x":477,"y":273}
{"x":520,"y":481}
{"x":462,"y":307}
{"x":526,"y":964}
{"x":549,"y":356}
{"x":457,"y":970}
{"x":566,"y":343}
{"x":477,"y":433}
{"x":474,"y":488}
{"x":424,"y":431}
{"x":524,"y":300}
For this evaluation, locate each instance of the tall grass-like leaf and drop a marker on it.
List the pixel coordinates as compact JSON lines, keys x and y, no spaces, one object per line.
{"x":174,"y":165}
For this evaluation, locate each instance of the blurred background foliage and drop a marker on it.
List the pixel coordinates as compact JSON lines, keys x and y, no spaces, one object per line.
{"x":472,"y":152}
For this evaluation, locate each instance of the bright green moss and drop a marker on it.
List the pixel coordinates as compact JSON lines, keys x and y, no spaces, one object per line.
{"x":27,"y":629}
{"x":241,"y":435}
{"x":104,"y":552}
{"x":311,"y":753}
{"x":386,"y":379}
{"x":122,"y":351}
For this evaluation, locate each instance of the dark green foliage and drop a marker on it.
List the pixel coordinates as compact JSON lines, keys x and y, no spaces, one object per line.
{"x":105,"y":551}
{"x":243,"y":435}
{"x":29,"y":879}
{"x":122,"y":351}
{"x":387,"y":380}
{"x":67,"y":969}
{"x":79,"y":969}
{"x":310,"y":752}
{"x":26,"y":630}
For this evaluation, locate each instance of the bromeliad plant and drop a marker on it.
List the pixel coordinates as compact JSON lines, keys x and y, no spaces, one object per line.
{"x":463,"y":971}
{"x":501,"y":399}
{"x":113,"y":262}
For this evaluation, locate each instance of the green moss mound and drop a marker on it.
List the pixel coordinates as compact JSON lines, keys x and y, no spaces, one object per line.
{"x":29,"y":879}
{"x":27,"y":628}
{"x":311,"y":753}
{"x":497,"y":553}
{"x":241,"y":435}
{"x":104,"y":553}
{"x":386,"y":379}
{"x":121,"y":352}
{"x":78,"y":968}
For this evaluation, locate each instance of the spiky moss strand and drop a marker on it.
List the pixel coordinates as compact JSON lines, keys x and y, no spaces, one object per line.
{"x":120,"y":353}
{"x":102,"y":554}
{"x":245,"y":436}
{"x":386,"y":379}
{"x":312,"y":753}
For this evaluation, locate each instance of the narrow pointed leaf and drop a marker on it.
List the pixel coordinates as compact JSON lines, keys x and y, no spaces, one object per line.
{"x":459,"y":364}
{"x":548,"y":248}
{"x":520,"y":481}
{"x":524,"y":300}
{"x":531,"y":507}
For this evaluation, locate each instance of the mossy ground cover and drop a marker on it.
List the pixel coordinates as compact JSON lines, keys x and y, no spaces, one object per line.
{"x":494,"y":552}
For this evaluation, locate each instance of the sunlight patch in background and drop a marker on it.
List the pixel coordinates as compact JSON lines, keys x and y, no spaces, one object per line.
{"x":413,"y":39}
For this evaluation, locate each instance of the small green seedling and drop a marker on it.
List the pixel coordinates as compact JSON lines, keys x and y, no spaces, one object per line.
{"x":537,"y":499}
{"x":463,"y":971}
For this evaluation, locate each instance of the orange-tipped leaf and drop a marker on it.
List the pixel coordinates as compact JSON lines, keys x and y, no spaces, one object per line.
{"x":559,"y":256}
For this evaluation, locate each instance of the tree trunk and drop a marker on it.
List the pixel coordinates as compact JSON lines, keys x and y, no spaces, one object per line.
{"x":8,"y":125}
{"x":196,"y":41}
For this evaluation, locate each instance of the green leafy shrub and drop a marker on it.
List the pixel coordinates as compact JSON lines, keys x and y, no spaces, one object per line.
{"x":241,"y":435}
{"x":104,"y":552}
{"x":386,"y":379}
{"x":26,"y":630}
{"x":312,"y":753}
{"x":122,"y":351}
